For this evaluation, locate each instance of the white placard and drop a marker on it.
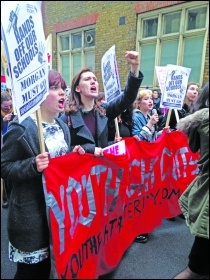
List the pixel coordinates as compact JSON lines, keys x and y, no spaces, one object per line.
{"x":110,"y":76}
{"x":116,"y":149}
{"x":24,"y":43}
{"x":175,"y":87}
{"x":161,"y":72}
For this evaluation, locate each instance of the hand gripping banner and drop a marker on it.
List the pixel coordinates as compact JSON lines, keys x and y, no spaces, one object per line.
{"x":97,"y":206}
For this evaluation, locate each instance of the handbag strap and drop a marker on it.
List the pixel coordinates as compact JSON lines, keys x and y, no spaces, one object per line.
{"x":69,"y":121}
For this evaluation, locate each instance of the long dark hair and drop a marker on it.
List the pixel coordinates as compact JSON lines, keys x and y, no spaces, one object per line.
{"x":202,"y":100}
{"x":75,"y":102}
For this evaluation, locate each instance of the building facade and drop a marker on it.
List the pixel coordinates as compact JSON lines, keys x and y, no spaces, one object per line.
{"x":163,"y":32}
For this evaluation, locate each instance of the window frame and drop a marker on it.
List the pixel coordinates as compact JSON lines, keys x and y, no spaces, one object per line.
{"x":183,"y":33}
{"x":71,"y":51}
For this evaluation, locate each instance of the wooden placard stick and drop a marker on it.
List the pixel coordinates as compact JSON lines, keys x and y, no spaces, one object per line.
{"x":117,"y":128}
{"x":40,"y":130}
{"x":168,"y":117}
{"x":176,"y":115}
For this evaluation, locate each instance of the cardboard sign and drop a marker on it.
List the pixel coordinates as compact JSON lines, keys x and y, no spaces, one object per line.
{"x":116,"y":149}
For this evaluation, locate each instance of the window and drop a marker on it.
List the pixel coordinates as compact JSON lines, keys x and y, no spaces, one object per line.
{"x":173,"y":35}
{"x":196,"y":18}
{"x":150,"y":27}
{"x":76,"y":50}
{"x":171,"y":23}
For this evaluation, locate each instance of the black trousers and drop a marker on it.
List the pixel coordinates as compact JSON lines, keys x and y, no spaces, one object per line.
{"x":199,"y":256}
{"x":39,"y":270}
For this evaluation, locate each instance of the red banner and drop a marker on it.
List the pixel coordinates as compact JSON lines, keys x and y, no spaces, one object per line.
{"x":3,"y":79}
{"x":99,"y":205}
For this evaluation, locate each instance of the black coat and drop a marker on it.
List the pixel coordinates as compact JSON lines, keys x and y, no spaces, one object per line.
{"x":27,"y":221}
{"x":81,"y":135}
{"x":173,"y":122}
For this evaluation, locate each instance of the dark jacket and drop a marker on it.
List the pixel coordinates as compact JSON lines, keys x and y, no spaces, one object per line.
{"x":125,"y":123}
{"x":27,"y":220}
{"x":125,"y":130}
{"x":81,"y":135}
{"x":4,"y":124}
{"x":172,"y":122}
{"x":156,"y":105}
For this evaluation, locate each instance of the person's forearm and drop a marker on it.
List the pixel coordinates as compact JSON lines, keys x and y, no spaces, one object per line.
{"x":135,"y":69}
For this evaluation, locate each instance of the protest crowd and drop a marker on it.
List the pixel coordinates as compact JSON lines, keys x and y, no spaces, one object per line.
{"x":78,"y":123}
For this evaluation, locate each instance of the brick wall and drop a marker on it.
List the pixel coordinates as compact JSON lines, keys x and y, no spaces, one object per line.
{"x":108,"y":30}
{"x":63,"y":15}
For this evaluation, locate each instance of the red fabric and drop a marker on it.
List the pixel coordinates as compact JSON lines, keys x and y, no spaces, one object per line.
{"x":128,"y":195}
{"x":3,"y":79}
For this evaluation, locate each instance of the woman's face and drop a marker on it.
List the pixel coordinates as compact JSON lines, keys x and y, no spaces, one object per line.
{"x":88,"y":85}
{"x":146,"y":103}
{"x":192,"y":93}
{"x":55,"y":100}
{"x":6,"y":106}
{"x":155,"y":94}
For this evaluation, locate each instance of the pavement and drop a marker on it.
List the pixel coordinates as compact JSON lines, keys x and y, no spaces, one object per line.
{"x":164,"y":255}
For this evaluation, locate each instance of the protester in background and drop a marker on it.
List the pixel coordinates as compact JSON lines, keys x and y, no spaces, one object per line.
{"x":100,"y":99}
{"x":156,"y":98}
{"x":88,"y":122}
{"x":194,"y":201}
{"x":144,"y":128}
{"x":156,"y":105}
{"x":135,"y":104}
{"x":6,"y":110}
{"x":6,"y":116}
{"x":68,"y":92}
{"x":190,"y":97}
{"x":125,"y":124}
{"x":23,"y":163}
{"x":143,"y":121}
